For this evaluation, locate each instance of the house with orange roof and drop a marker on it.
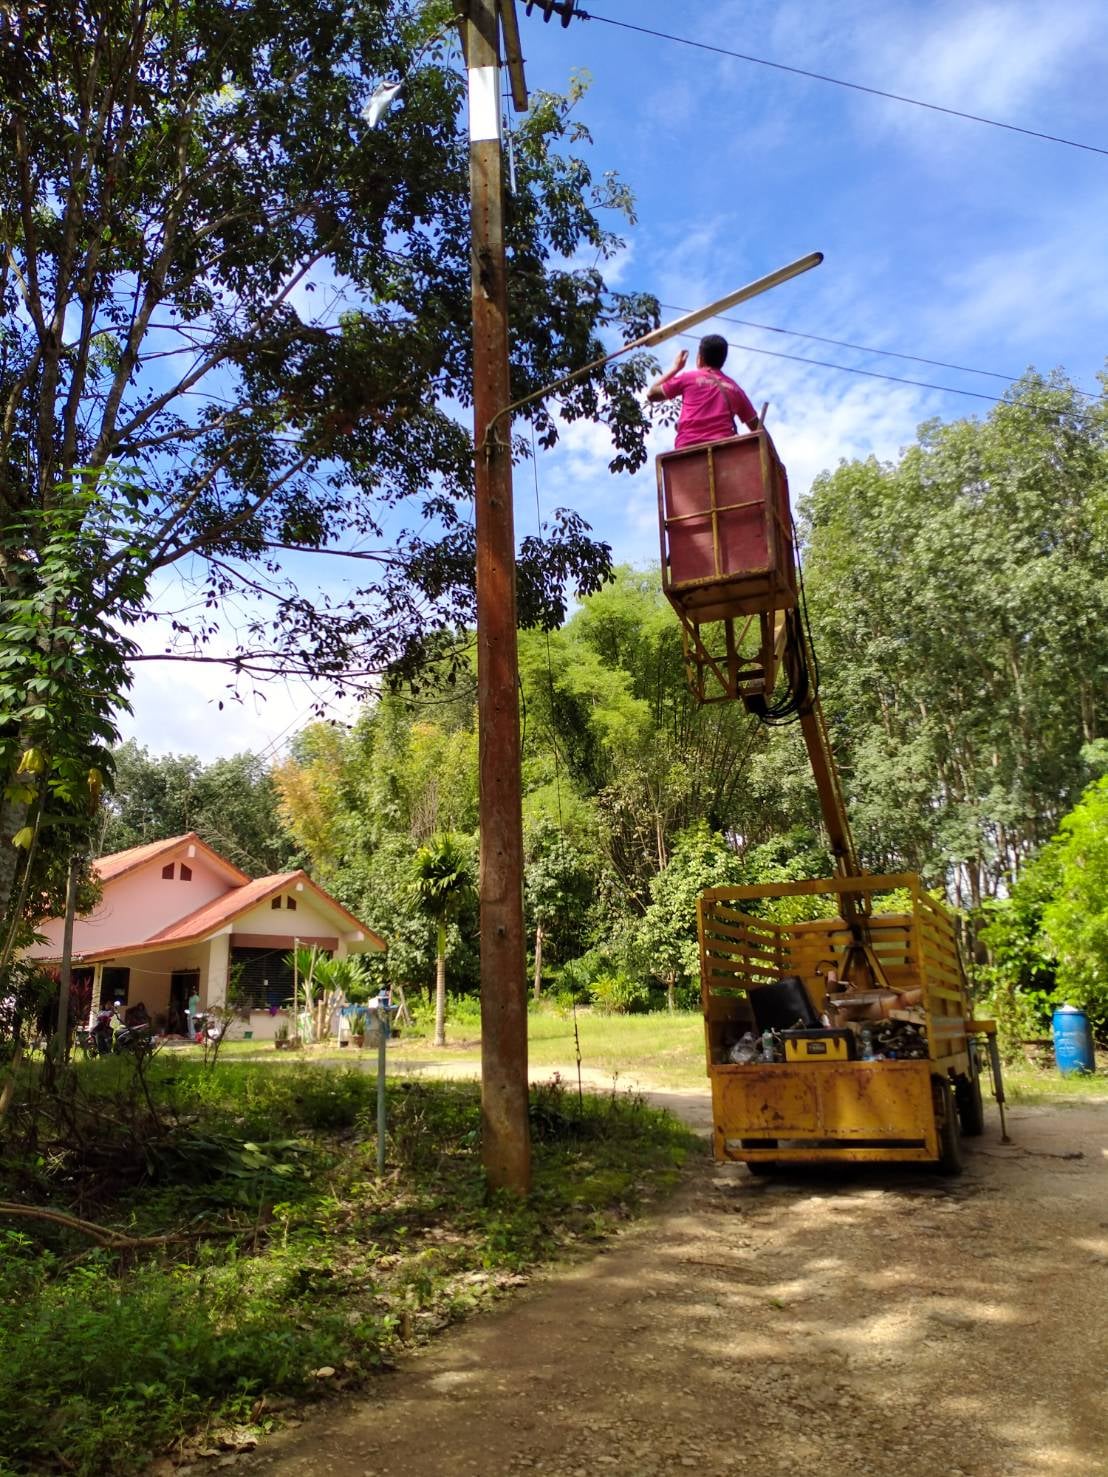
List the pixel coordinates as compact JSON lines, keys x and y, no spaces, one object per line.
{"x":173,"y":920}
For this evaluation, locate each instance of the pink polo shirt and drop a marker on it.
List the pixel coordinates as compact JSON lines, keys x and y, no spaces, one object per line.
{"x":709,"y":404}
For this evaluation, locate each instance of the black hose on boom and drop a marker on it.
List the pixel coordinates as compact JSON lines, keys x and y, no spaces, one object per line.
{"x":800,"y":664}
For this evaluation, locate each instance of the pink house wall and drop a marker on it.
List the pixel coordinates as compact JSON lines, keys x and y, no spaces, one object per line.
{"x":137,"y":905}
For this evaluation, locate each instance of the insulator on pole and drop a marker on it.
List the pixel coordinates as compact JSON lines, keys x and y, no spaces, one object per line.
{"x":563,"y":8}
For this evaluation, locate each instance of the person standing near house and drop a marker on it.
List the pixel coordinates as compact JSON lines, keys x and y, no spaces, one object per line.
{"x":710,"y":400}
{"x":193,"y":1011}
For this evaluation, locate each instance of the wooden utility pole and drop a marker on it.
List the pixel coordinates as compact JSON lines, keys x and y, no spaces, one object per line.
{"x":505,"y":1136}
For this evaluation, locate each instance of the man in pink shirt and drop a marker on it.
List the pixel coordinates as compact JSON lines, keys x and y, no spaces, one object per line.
{"x":710,"y":401}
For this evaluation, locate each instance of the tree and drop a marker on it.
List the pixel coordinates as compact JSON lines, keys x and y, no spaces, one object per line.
{"x":959,"y":602}
{"x":1018,"y":969}
{"x":1047,"y":941}
{"x":608,"y":696}
{"x":235,"y":316}
{"x":1075,"y":919}
{"x":442,"y":883}
{"x":558,"y":889}
{"x":232,"y":803}
{"x":666,"y":943}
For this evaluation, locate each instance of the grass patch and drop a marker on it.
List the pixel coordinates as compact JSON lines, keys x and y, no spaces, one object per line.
{"x":666,"y":1050}
{"x":1037,"y":1085}
{"x":306,"y":1260}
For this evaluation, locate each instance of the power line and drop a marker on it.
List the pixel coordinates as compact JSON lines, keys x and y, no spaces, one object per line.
{"x":896,"y":97}
{"x":872,"y":374}
{"x":866,"y":348}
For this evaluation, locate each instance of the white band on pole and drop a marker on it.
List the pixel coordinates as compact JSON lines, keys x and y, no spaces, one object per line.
{"x":484,"y":104}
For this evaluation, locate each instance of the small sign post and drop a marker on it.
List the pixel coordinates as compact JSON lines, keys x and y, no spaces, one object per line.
{"x":383,"y":1031}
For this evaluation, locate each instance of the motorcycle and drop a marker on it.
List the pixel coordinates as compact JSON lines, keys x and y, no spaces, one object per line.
{"x":100,"y":1040}
{"x":137,"y":1040}
{"x":207,"y":1029}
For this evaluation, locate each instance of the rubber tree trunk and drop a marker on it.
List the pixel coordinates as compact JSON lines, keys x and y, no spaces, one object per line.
{"x":7,"y":1091}
{"x":538,"y":962}
{"x":13,"y":817}
{"x":440,"y":988}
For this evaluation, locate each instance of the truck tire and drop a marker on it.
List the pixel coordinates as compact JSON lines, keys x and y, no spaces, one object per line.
{"x":950,"y":1160}
{"x":760,"y":1166}
{"x":967,"y":1095}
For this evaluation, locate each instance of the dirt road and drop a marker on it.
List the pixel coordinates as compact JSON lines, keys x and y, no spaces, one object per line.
{"x":876,"y":1322}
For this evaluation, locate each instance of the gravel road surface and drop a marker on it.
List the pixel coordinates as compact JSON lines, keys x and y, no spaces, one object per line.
{"x":878,"y":1321}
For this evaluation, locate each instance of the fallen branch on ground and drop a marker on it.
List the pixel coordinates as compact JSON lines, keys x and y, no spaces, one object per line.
{"x":114,"y":1240}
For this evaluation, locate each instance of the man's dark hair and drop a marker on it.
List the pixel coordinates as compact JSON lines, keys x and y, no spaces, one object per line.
{"x":713,"y":350}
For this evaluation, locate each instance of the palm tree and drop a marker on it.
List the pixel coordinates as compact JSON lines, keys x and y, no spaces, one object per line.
{"x":442,"y":883}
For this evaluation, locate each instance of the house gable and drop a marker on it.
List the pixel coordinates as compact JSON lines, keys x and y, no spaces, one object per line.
{"x":144,"y":890}
{"x":288,"y":905}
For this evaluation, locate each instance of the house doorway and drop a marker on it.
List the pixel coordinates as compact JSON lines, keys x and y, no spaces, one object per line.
{"x":182,"y":984}
{"x":115,"y":985}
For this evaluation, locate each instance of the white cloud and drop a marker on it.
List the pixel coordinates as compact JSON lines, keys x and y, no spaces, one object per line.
{"x":177,"y":710}
{"x":992,"y":58}
{"x":1039,"y":290}
{"x":1000,"y":59}
{"x":204,"y":707}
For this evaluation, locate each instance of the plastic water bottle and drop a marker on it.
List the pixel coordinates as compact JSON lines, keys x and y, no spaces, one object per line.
{"x":767,"y":1046}
{"x":867,"y":1044}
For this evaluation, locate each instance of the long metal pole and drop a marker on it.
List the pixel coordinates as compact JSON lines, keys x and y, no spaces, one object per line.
{"x":505,"y":1136}
{"x":383,"y":1023}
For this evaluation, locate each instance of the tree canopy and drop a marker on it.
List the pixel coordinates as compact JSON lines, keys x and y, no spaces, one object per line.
{"x":233,"y":803}
{"x":959,"y":602}
{"x":236,"y":345}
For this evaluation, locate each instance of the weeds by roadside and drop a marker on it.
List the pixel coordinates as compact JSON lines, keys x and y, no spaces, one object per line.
{"x":293,"y":1271}
{"x":1029,"y":1085}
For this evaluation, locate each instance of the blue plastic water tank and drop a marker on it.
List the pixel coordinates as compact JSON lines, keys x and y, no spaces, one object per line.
{"x":1073,"y":1041}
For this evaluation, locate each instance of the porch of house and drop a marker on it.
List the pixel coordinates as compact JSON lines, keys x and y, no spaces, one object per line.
{"x":164,"y":980}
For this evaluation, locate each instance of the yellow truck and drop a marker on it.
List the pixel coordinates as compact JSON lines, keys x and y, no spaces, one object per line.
{"x":805,"y":1067}
{"x":843,"y":1037}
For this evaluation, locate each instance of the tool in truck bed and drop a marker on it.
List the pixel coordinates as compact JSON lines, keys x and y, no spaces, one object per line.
{"x":849,"y":1037}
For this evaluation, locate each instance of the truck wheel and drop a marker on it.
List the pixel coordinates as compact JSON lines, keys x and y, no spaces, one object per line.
{"x":950,"y":1159}
{"x":971,"y":1108}
{"x":760,"y":1166}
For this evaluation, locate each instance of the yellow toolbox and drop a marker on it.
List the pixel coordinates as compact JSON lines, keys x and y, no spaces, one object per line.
{"x":818,"y":1046}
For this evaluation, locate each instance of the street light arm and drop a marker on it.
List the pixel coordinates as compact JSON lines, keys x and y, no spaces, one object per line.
{"x":659,"y":335}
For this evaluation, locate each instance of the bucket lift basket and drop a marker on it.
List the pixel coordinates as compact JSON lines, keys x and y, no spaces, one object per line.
{"x":728,"y":563}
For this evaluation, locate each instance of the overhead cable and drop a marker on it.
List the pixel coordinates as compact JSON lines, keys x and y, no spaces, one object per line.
{"x":871,"y":349}
{"x":896,"y":97}
{"x":872,"y":374}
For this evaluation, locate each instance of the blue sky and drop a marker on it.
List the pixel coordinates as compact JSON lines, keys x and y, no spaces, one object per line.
{"x":943,"y":238}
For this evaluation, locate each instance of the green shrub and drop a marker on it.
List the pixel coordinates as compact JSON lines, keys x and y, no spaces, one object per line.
{"x":100,"y":1373}
{"x":618,"y":994}
{"x":577,"y":977}
{"x":462,"y":1011}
